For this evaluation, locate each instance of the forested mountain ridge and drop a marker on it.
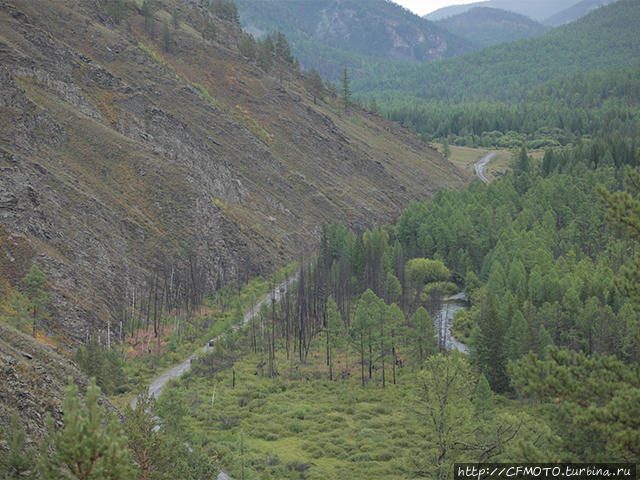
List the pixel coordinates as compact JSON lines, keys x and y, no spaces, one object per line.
{"x":537,"y":10}
{"x":143,"y":156}
{"x":331,"y":34}
{"x":574,"y":12}
{"x":606,"y":38}
{"x":483,"y":26}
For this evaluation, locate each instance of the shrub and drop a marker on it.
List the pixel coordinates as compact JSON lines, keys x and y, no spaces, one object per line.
{"x":361,"y":457}
{"x":228,"y":421}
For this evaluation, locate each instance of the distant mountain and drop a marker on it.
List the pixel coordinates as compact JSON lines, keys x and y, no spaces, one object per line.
{"x":483,"y":26}
{"x":332,"y":34}
{"x":452,"y":10}
{"x":605,"y":38}
{"x":535,"y":9}
{"x":575,"y":12}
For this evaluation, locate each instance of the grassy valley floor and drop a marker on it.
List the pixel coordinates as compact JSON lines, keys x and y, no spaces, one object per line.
{"x":302,"y":425}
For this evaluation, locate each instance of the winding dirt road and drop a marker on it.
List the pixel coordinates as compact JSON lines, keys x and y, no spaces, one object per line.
{"x":156,"y":385}
{"x":480,"y":164}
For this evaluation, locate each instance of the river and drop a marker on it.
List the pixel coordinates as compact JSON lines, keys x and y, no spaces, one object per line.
{"x":443,"y":320}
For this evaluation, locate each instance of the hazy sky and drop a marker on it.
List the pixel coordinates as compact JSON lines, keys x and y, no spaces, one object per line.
{"x":422,"y":7}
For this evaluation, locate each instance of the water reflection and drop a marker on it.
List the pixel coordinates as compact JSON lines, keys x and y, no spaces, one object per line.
{"x":443,"y":313}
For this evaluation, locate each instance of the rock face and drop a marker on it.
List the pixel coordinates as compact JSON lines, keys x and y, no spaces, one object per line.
{"x":381,"y":33}
{"x":125,"y":167}
{"x":375,"y":28}
{"x":33,"y":380}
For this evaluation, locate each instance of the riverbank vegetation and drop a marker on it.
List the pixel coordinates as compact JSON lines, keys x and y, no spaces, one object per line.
{"x":339,"y":379}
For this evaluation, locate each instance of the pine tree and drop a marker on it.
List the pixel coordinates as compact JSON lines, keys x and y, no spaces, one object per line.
{"x":116,"y":9}
{"x":346,"y":90}
{"x":334,"y":331}
{"x":394,"y":289}
{"x":315,"y":84}
{"x":175,"y":19}
{"x":89,"y":446}
{"x":443,"y":405}
{"x":596,"y":398}
{"x":171,"y":409}
{"x":247,"y":46}
{"x":145,"y":441}
{"x":395,"y":322}
{"x":166,"y":36}
{"x":423,"y":335}
{"x":624,"y":211}
{"x":522,"y":161}
{"x":18,"y":462}
{"x":148,"y":14}
{"x":373,"y":106}
{"x":362,"y":325}
{"x":265,"y":52}
{"x":446,"y":150}
{"x":35,"y":282}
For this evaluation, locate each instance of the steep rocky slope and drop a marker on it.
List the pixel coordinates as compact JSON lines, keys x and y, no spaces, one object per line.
{"x":376,"y":27}
{"x":123,"y":163}
{"x":331,"y":34}
{"x":33,"y":380}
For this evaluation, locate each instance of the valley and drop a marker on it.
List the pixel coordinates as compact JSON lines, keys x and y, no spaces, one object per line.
{"x":317,"y":240}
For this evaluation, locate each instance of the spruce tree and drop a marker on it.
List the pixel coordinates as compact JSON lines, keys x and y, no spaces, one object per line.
{"x":489,"y":349}
{"x":483,"y":398}
{"x":515,"y":340}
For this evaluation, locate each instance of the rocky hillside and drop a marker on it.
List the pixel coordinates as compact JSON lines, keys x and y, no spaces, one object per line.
{"x":331,"y":34}
{"x":33,"y":380}
{"x":135,"y":152}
